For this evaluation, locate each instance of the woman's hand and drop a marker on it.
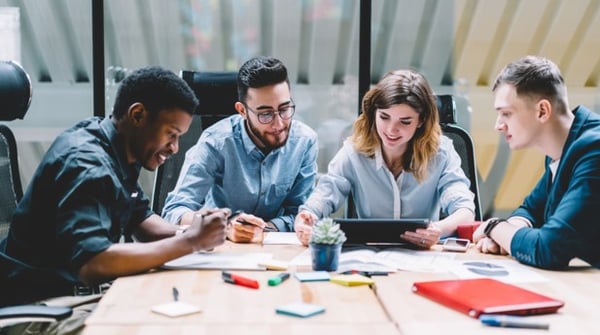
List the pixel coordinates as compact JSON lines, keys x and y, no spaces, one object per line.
{"x":303,"y":226}
{"x":423,"y":238}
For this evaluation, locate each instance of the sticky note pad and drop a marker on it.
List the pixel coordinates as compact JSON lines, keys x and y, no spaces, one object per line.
{"x":175,"y":309}
{"x":352,"y":280}
{"x":272,"y":264}
{"x":300,"y":309}
{"x":312,"y":276}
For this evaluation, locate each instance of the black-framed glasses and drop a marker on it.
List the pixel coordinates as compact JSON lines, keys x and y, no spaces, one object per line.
{"x":267,"y":116}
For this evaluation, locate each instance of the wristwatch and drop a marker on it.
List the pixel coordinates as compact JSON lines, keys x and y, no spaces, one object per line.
{"x":492,"y":223}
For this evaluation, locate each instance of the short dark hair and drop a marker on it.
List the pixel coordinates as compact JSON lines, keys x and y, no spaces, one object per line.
{"x":260,"y":72}
{"x":535,"y":77}
{"x":157,"y":89}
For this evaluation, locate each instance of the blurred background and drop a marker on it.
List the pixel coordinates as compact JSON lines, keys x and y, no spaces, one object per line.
{"x":460,"y":46}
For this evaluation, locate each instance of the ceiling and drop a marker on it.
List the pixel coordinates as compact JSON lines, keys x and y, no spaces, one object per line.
{"x":468,"y":40}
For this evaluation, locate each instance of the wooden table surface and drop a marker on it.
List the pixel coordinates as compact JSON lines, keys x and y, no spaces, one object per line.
{"x":388,"y":307}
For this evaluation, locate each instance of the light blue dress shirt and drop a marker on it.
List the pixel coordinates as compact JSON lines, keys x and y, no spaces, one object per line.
{"x":226,"y":169}
{"x":377,"y":194}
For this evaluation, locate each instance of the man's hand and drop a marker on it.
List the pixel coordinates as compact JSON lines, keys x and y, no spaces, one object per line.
{"x":488,"y":246}
{"x":208,"y":231}
{"x":245,"y":228}
{"x":303,"y":226}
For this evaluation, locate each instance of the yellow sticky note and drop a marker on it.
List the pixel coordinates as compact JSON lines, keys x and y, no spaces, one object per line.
{"x":352,"y":280}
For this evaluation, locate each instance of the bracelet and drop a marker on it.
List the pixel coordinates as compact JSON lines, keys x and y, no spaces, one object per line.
{"x":492,"y":223}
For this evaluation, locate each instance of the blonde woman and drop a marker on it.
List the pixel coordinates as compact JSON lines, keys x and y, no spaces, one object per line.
{"x":397,"y":164}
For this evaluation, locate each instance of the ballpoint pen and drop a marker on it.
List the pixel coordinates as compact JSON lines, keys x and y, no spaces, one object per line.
{"x":239,"y":280}
{"x":280,"y":278}
{"x":366,"y":273}
{"x":234,"y":216}
{"x":175,"y":294}
{"x":512,"y":322}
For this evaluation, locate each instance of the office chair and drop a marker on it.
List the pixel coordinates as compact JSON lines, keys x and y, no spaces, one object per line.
{"x":15,"y":97}
{"x":217,"y":93}
{"x":463,"y":144}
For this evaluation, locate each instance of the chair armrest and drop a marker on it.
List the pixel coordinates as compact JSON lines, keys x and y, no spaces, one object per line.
{"x":35,"y":311}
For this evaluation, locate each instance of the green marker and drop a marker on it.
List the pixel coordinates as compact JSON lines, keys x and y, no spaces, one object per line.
{"x":279,"y":279}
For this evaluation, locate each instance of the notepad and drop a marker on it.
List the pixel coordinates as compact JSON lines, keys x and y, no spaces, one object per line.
{"x":352,"y":280}
{"x":486,"y":296}
{"x":300,"y":309}
{"x":175,"y":309}
{"x":312,"y":276}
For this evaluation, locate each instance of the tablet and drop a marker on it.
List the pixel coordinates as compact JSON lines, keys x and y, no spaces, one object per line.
{"x":379,"y":231}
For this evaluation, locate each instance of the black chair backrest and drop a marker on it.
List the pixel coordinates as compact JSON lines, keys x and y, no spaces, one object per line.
{"x":15,"y":97}
{"x":217,"y":93}
{"x":463,"y":144}
{"x":10,"y":180}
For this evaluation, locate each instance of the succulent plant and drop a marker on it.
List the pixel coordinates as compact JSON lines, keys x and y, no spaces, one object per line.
{"x":326,"y":231}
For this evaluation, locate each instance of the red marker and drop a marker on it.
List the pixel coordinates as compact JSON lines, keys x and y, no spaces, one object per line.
{"x":239,"y":280}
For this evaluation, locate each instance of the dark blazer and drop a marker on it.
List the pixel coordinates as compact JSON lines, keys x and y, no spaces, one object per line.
{"x":565,"y":212}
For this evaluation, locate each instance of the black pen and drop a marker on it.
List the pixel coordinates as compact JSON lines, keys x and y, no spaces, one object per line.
{"x":234,"y":216}
{"x":366,"y":273}
{"x":175,"y":294}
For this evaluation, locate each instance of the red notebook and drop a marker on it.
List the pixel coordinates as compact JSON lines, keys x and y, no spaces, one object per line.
{"x":486,"y":296}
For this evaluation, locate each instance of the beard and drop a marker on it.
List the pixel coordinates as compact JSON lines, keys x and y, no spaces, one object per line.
{"x":266,"y":141}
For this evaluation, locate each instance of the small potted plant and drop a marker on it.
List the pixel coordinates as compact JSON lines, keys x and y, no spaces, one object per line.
{"x":326,"y":244}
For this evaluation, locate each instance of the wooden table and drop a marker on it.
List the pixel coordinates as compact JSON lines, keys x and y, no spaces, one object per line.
{"x":579,"y":288}
{"x":389,"y":307}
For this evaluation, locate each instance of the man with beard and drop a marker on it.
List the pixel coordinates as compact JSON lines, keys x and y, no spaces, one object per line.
{"x":258,"y":162}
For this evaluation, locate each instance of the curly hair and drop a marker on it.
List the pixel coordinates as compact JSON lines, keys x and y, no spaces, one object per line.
{"x":157,"y":89}
{"x":395,"y":88}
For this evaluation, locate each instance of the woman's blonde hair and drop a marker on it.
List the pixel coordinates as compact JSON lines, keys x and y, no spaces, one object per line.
{"x":395,"y":88}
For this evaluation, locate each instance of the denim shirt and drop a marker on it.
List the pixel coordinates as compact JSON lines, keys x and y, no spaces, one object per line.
{"x":377,"y":194}
{"x":226,"y":169}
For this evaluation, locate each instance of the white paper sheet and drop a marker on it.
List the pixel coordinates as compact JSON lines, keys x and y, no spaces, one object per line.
{"x":220,"y":261}
{"x":281,"y":238}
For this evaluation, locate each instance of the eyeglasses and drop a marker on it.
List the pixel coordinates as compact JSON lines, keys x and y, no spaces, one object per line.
{"x":267,"y":116}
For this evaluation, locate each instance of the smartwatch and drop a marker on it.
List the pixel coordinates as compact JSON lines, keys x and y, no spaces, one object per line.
{"x":492,"y":223}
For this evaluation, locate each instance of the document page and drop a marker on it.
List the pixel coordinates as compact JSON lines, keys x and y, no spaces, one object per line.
{"x":281,"y":238}
{"x":220,"y":261}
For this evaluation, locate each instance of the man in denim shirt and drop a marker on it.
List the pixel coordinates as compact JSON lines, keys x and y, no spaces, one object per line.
{"x":259,"y":162}
{"x":558,"y":219}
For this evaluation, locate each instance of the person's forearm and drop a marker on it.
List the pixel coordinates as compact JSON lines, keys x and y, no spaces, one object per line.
{"x":154,"y":228}
{"x":123,"y":259}
{"x":504,"y":231}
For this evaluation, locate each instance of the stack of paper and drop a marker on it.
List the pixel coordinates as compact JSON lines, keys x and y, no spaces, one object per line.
{"x":220,"y":261}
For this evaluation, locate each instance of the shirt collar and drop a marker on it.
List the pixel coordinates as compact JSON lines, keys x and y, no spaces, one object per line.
{"x":130,"y":171}
{"x":379,"y":162}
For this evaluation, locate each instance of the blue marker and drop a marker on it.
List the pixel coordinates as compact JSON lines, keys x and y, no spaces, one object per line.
{"x":512,"y":322}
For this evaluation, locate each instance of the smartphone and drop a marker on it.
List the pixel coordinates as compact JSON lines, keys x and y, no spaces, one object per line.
{"x":456,"y":244}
